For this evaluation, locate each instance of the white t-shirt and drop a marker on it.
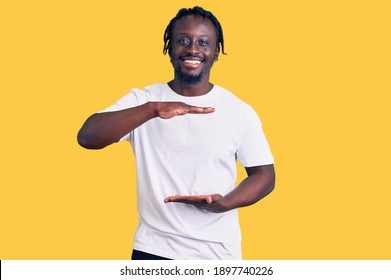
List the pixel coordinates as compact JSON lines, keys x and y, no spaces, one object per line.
{"x":186,"y":155}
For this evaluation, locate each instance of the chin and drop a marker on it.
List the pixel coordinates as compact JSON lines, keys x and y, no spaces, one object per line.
{"x":189,"y":78}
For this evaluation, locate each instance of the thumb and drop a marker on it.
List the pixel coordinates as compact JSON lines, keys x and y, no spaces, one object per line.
{"x":208,"y":199}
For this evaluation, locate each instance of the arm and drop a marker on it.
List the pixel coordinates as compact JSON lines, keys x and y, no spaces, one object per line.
{"x":103,"y":129}
{"x":258,"y":184}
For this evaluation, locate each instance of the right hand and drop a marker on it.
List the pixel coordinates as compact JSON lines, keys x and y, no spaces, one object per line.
{"x":167,"y":110}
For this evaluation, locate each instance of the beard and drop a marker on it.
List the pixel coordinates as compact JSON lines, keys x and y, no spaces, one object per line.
{"x":189,"y":79}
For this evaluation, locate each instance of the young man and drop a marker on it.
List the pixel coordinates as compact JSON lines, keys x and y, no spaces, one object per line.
{"x":186,"y":136}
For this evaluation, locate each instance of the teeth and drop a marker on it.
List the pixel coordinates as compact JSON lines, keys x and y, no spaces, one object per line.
{"x":193,"y":61}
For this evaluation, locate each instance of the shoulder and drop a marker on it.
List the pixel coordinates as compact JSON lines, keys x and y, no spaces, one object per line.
{"x":236,"y":106}
{"x":136,"y":97}
{"x":157,"y":92}
{"x":148,"y":93}
{"x":230,"y":99}
{"x":155,"y":88}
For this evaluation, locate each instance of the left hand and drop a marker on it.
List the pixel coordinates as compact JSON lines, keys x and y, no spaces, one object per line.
{"x":210,"y":202}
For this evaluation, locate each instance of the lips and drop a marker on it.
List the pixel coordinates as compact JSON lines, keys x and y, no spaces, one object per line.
{"x":194,"y":61}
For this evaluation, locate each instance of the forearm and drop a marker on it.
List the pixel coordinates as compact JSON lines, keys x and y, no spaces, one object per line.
{"x":103,"y":129}
{"x":258,"y":184}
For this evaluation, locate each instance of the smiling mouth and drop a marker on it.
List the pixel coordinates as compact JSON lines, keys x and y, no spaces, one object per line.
{"x":192,"y":62}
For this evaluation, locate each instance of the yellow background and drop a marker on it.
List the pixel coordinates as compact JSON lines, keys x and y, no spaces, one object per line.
{"x":317,"y":72}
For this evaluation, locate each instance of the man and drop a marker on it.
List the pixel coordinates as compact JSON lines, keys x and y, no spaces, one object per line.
{"x":186,"y":136}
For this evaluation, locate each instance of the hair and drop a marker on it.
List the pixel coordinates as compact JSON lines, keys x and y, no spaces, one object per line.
{"x":197,"y":11}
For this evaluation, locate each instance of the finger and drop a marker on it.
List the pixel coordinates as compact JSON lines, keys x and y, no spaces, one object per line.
{"x":191,"y":199}
{"x":178,"y":198}
{"x":171,"y":198}
{"x":200,"y":110}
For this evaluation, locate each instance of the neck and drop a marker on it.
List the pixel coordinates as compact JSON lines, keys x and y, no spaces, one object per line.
{"x":190,"y":90}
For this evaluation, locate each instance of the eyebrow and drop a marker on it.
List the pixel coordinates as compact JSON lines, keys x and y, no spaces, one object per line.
{"x":186,"y":34}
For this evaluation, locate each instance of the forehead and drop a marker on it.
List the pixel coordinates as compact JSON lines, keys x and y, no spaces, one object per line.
{"x":195,"y":25}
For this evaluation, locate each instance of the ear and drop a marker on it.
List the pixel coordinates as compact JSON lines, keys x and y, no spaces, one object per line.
{"x":217,"y":52}
{"x":169,"y":54}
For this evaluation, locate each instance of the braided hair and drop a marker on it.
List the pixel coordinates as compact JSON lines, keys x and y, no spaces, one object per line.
{"x":197,"y":11}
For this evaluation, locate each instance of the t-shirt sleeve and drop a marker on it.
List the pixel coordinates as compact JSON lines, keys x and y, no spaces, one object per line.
{"x":134,"y":98}
{"x":254,"y":149}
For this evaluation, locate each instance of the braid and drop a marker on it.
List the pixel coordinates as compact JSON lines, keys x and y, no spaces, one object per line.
{"x":198,"y":11}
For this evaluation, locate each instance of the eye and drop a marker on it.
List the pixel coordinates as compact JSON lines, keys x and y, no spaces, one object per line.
{"x":183,"y":41}
{"x":203,"y":42}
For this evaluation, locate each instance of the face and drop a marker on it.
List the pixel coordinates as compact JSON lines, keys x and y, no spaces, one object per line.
{"x":193,"y":49}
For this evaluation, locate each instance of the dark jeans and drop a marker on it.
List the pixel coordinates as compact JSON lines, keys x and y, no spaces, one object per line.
{"x":139,"y":255}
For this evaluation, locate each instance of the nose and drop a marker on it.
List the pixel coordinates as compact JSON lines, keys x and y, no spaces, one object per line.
{"x":193,"y":48}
